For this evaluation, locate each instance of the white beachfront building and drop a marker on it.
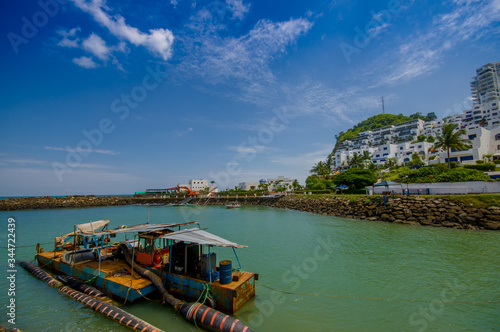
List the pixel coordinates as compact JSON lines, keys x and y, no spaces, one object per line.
{"x":249,"y":185}
{"x":273,"y":184}
{"x":280,"y":181}
{"x":484,"y":141}
{"x":481,"y":122}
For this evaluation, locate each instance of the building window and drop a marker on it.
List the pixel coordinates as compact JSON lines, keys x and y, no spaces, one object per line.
{"x":471,"y":137}
{"x":385,"y":148}
{"x":464,"y":158}
{"x":420,"y":146}
{"x":401,"y":148}
{"x":497,"y":137}
{"x":377,"y":156}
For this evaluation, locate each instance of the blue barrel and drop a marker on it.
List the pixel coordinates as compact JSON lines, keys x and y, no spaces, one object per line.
{"x":226,"y":272}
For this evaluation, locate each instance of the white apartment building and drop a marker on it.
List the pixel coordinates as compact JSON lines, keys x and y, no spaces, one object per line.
{"x":485,"y":115}
{"x":481,"y":122}
{"x":486,"y":140}
{"x":198,"y":185}
{"x":249,"y":185}
{"x":485,"y":85}
{"x":280,"y":181}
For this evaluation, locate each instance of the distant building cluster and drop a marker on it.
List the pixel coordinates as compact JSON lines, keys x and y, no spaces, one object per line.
{"x":481,"y":122}
{"x":270,"y":184}
{"x":193,"y":186}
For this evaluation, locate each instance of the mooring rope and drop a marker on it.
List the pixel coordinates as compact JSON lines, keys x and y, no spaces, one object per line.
{"x":373,"y":298}
{"x":28,"y":245}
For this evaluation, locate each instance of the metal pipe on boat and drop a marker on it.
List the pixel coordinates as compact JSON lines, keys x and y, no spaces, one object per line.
{"x":40,"y":274}
{"x":110,"y":311}
{"x":166,"y":296}
{"x":195,"y":312}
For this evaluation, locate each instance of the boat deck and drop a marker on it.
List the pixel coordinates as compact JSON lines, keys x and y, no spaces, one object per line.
{"x":115,"y":276}
{"x":118,"y":279}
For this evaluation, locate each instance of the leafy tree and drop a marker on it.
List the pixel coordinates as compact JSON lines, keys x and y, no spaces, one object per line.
{"x":451,"y":139}
{"x":312,"y":181}
{"x":416,"y":116}
{"x":431,"y":116}
{"x":355,"y":178}
{"x":415,"y":160}
{"x":430,"y":139}
{"x":421,"y":138}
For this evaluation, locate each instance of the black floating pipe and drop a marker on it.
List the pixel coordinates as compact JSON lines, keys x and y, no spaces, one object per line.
{"x":40,"y":274}
{"x":194,"y":312}
{"x":79,"y":285}
{"x":211,"y":318}
{"x":110,"y":311}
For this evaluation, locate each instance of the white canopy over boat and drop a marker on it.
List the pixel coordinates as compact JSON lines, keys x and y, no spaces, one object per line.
{"x":199,"y":236}
{"x":142,"y":228}
{"x":91,"y":227}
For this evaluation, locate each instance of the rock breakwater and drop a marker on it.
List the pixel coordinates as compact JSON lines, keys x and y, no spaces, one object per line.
{"x":427,"y":211}
{"x":411,"y":210}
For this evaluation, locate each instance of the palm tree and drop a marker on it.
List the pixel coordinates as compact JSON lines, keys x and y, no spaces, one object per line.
{"x":321,"y":168}
{"x":451,"y":139}
{"x":367,"y":156}
{"x":296,"y":185}
{"x":355,"y":160}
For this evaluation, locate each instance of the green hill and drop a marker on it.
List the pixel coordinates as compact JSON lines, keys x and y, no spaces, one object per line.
{"x":374,"y":122}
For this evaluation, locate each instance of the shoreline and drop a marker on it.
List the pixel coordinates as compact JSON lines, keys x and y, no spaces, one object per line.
{"x":410,"y":210}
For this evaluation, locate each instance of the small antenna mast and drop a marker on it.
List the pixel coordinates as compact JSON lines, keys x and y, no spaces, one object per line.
{"x":383,"y":105}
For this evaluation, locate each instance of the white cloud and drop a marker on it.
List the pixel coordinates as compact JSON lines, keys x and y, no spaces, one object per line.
{"x":69,"y":38}
{"x":95,"y":45}
{"x":174,"y":3}
{"x":241,"y":62}
{"x":69,"y":149}
{"x":335,"y":106}
{"x":85,"y":62}
{"x":424,"y":51}
{"x":25,"y":161}
{"x":158,"y":41}
{"x":238,"y":8}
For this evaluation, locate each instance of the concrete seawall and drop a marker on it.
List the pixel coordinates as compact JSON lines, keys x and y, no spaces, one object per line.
{"x":412,"y":210}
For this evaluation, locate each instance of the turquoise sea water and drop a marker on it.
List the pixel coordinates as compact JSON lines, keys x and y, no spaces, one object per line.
{"x":344,"y":275}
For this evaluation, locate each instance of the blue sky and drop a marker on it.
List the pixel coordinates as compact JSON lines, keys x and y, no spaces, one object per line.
{"x":113,"y":97}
